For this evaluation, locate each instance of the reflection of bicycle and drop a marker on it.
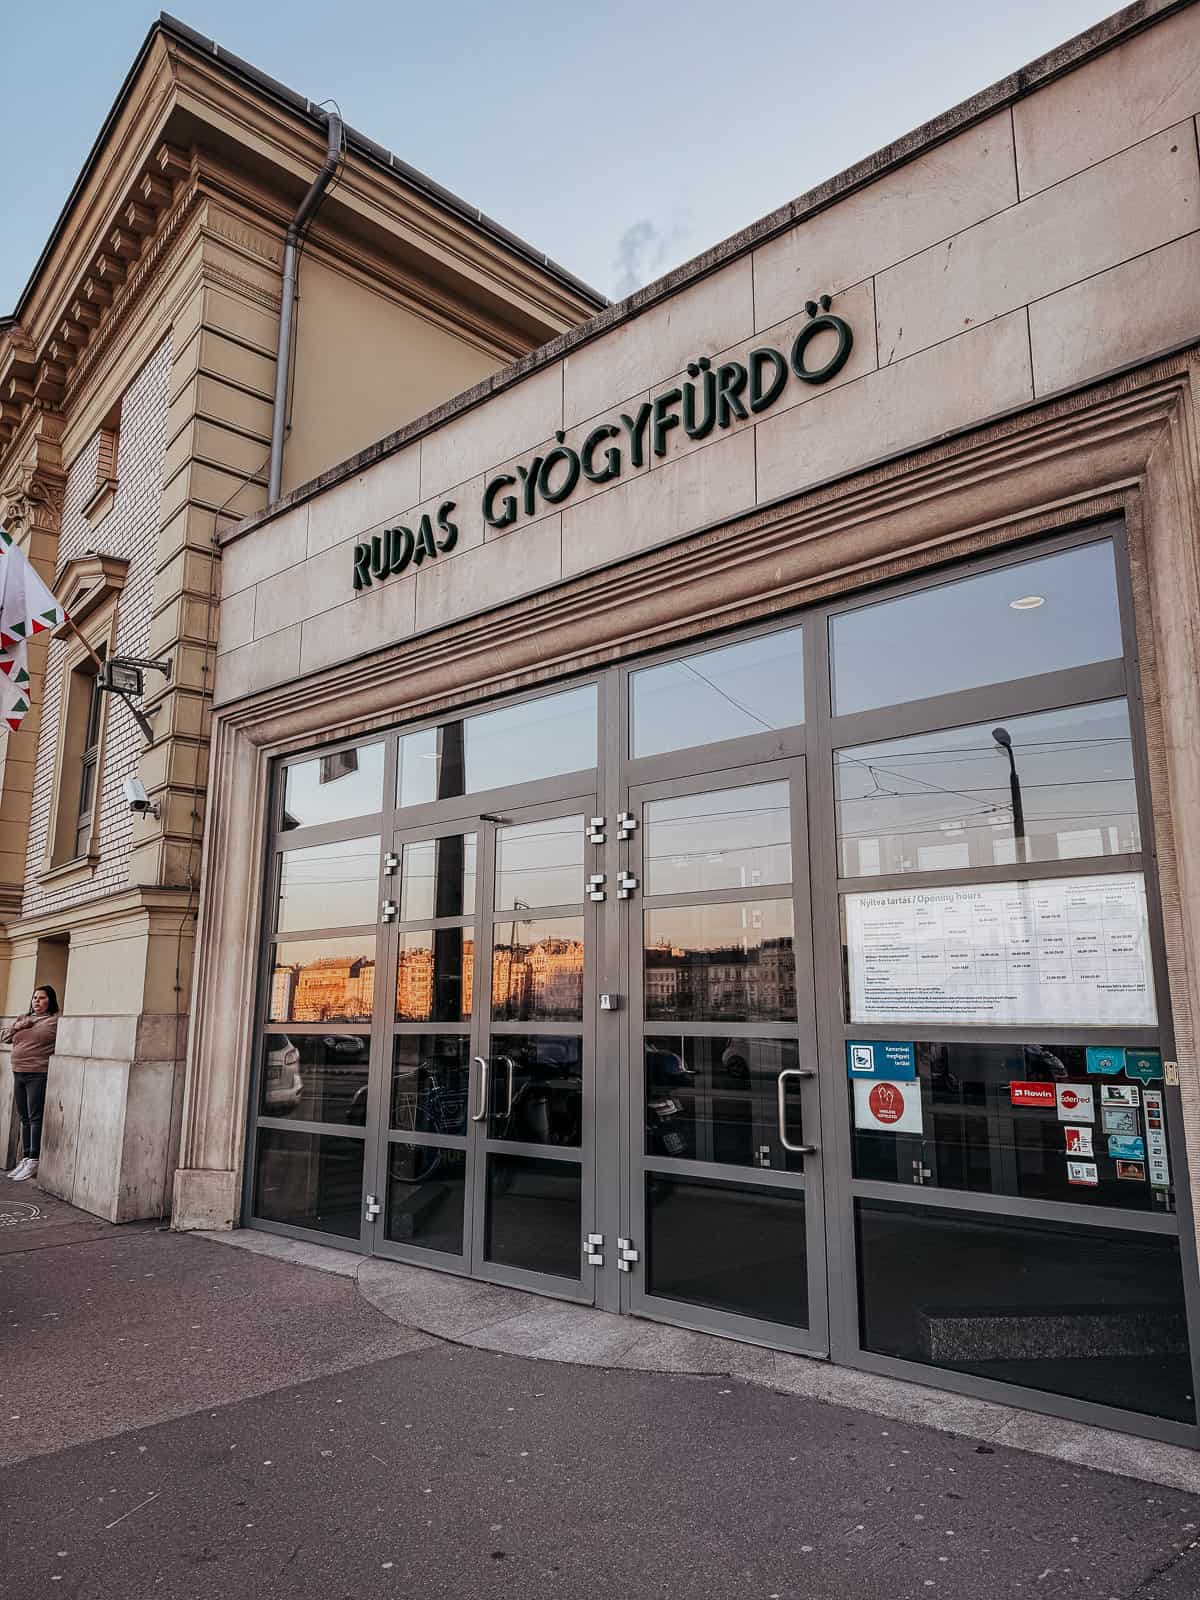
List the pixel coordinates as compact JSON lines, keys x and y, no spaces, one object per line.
{"x":434,"y":1106}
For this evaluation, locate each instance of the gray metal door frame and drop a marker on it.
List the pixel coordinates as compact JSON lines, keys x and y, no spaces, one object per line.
{"x":637,"y":1298}
{"x":616,"y":1112}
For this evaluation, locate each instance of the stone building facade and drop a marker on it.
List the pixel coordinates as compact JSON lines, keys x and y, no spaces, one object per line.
{"x":901,"y":479}
{"x":137,"y":377}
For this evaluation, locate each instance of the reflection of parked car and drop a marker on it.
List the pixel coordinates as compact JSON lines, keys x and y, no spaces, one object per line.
{"x":282,"y":1083}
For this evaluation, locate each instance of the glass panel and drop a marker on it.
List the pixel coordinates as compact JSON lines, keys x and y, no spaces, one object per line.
{"x":316,"y":1077}
{"x":717,"y":1100}
{"x":425,"y":1191}
{"x":333,"y":788}
{"x":1027,"y":1120}
{"x":539,"y":864}
{"x":735,"y":1248}
{"x":729,"y":839}
{"x":430,"y":1082}
{"x":948,"y":800}
{"x":537,"y":1089}
{"x":537,"y":970}
{"x":310,"y":1180}
{"x":1046,"y":952}
{"x":518,"y":744}
{"x":751,"y":687}
{"x":1089,"y":1312}
{"x":1038,"y":616}
{"x":535,"y":1215}
{"x":437,"y":878}
{"x":537,"y":739}
{"x":323,"y":980}
{"x":724,"y":963}
{"x":435,"y":975}
{"x":329,"y":886}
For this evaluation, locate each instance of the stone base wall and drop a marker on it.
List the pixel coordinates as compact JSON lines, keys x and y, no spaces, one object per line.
{"x":113,"y":1104}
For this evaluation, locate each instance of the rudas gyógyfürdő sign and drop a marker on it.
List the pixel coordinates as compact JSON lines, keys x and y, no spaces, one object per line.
{"x":710,"y":397}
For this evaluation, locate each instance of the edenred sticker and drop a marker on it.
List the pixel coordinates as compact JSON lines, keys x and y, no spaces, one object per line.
{"x":1032,"y":1094}
{"x":1076,"y":1102}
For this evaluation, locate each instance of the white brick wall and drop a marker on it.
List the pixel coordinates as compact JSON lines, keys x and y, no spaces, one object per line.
{"x":130,"y":530}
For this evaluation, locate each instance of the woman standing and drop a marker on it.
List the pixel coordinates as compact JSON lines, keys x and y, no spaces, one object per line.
{"x":32,"y":1039}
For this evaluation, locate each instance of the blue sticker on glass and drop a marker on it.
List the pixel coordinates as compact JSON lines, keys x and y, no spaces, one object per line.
{"x":1146,"y":1065}
{"x":1121,"y":1147}
{"x":880,"y":1059}
{"x":1104,"y":1060}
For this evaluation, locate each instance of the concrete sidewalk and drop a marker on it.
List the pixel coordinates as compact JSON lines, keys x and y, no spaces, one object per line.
{"x":185,"y":1419}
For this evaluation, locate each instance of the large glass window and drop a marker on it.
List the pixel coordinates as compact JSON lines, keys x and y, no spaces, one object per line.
{"x":329,"y":886}
{"x":1085,"y":1124}
{"x":1017,"y":621}
{"x":322,"y":980}
{"x":725,"y":839}
{"x":1057,"y":786}
{"x":720,"y":963}
{"x":518,"y":744}
{"x":333,"y":788}
{"x":754,"y":686}
{"x":1089,"y":1312}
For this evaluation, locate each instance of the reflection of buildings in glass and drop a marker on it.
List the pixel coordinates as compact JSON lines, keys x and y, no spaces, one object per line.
{"x":729,"y":981}
{"x":330,"y":987}
{"x":544,"y":979}
{"x":415,"y":997}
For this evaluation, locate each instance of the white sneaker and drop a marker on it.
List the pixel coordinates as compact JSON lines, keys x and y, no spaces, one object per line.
{"x":18,"y":1169}
{"x":27,"y":1169}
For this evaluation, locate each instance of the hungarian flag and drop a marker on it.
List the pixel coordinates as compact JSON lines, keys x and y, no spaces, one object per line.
{"x":26,"y":608}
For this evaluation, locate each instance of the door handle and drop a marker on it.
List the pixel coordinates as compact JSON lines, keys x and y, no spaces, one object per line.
{"x":478,"y":1116}
{"x":510,"y":1068}
{"x":781,"y":1092}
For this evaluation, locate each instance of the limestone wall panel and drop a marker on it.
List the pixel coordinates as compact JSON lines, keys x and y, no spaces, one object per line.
{"x":1144,"y":85}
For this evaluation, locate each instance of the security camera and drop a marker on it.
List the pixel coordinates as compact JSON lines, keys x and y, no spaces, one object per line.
{"x":138,"y":801}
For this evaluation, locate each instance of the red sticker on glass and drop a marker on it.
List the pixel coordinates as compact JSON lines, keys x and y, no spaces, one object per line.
{"x":1032,"y":1094}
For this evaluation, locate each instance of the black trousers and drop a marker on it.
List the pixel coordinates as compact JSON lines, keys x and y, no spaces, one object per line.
{"x":31,"y":1100}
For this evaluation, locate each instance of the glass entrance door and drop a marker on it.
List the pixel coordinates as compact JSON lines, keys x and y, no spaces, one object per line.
{"x":725,"y":1197}
{"x":485,"y":1151}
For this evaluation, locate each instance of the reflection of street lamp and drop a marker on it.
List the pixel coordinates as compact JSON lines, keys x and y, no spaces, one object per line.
{"x":1004,"y":739}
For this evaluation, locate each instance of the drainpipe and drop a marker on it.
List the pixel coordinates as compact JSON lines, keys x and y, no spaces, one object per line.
{"x":291,"y":259}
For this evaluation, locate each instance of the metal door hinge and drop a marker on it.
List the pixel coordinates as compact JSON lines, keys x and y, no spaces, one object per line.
{"x":596,"y":883}
{"x":388,"y":910}
{"x":373,"y":1208}
{"x":595,"y":830}
{"x":593,"y":1245}
{"x":626,"y":1255}
{"x":626,"y":884}
{"x":626,"y":823}
{"x":390,"y":862}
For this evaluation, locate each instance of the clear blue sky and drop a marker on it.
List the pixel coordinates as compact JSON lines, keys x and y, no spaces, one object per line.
{"x":621,"y":138}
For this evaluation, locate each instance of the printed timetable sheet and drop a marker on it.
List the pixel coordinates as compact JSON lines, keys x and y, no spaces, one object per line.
{"x":1054,"y":951}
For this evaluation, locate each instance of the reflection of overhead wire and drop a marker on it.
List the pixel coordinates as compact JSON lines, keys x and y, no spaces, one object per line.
{"x":725,"y":695}
{"x":933,"y":822}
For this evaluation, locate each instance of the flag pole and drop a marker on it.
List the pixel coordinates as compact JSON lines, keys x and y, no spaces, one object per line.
{"x":95,"y":659}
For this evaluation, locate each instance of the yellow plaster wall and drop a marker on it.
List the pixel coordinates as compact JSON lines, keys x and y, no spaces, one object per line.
{"x":364,"y":366}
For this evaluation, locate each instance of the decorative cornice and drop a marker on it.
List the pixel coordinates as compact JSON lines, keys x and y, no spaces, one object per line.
{"x":139,"y":230}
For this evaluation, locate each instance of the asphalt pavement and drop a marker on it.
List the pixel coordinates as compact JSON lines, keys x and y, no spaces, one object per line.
{"x":181,"y":1419}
